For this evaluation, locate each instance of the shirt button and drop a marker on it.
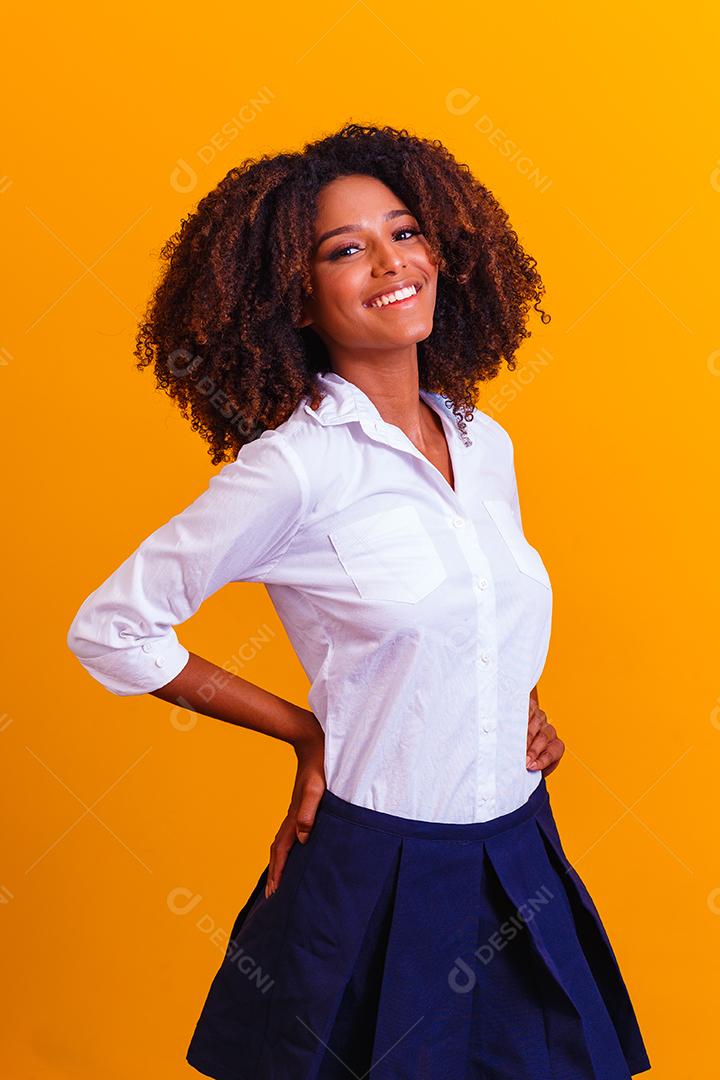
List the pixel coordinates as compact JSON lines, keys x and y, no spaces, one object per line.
{"x":487,"y":727}
{"x":160,"y":662}
{"x":458,"y":521}
{"x":146,"y":647}
{"x":485,"y":658}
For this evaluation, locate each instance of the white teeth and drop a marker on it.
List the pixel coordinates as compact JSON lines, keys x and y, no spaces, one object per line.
{"x":391,"y":298}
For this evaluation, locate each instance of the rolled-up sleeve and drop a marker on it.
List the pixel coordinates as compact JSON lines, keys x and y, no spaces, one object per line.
{"x":236,"y":530}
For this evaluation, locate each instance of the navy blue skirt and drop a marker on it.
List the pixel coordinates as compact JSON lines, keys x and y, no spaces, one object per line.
{"x":416,"y":950}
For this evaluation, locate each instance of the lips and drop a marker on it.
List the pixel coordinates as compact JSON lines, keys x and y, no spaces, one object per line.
{"x":393,"y":289}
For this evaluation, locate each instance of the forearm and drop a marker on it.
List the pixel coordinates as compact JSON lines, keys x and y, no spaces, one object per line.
{"x":205,"y":688}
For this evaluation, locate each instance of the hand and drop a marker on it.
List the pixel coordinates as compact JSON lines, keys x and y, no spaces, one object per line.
{"x":544,"y":748}
{"x":307,"y":792}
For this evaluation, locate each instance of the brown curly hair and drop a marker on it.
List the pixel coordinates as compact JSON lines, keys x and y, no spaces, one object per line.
{"x":221,"y":327}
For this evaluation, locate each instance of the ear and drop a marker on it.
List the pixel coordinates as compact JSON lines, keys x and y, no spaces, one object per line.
{"x":306,"y":316}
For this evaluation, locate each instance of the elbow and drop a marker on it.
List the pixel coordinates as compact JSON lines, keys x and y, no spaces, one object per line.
{"x":89,"y":638}
{"x":73,"y":638}
{"x":124,"y":657}
{"x":85,"y":635}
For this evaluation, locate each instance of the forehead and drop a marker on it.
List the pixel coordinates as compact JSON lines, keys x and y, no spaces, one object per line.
{"x":356,"y":197}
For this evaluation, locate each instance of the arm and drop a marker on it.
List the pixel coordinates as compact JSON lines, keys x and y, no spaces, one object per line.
{"x":240,"y":702}
{"x":237,"y":701}
{"x":237,"y":530}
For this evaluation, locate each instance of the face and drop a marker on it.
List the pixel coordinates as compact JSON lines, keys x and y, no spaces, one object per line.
{"x":375,"y":248}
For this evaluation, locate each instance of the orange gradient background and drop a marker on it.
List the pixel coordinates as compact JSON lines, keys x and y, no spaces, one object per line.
{"x":135,"y":831}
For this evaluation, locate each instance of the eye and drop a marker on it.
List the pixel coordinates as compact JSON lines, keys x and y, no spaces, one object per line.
{"x":339,"y":252}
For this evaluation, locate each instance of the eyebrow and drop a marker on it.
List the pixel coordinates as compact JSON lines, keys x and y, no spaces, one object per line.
{"x":354,"y":228}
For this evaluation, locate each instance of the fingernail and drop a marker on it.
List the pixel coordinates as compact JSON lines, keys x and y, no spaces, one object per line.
{"x":535,"y":765}
{"x":528,"y":759}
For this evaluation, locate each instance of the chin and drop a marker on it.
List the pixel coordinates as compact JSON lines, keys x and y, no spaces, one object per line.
{"x":418,"y":332}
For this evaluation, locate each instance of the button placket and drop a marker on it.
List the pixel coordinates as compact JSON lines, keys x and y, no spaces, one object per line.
{"x":486,"y":667}
{"x":485,"y":793}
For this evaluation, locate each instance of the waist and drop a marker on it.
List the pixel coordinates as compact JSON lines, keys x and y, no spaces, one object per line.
{"x":459,"y":832}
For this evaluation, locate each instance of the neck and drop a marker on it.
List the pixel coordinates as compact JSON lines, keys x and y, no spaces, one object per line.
{"x":392,"y":385}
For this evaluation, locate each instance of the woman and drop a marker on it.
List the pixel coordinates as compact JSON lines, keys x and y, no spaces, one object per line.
{"x":324,"y":319}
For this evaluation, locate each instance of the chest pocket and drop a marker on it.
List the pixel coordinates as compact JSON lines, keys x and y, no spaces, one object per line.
{"x":389,"y":556}
{"x":527,"y":559}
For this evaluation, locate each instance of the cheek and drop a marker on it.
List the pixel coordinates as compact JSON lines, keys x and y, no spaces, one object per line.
{"x":340,"y":295}
{"x":431,"y":264}
{"x":430,"y":259}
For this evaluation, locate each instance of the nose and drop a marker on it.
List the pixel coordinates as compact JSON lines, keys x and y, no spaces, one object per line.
{"x":387,"y":258}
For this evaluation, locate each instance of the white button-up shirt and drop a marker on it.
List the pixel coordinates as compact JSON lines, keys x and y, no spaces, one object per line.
{"x":421,"y":614}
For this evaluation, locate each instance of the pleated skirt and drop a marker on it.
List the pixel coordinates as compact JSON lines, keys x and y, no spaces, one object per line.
{"x":411,"y":950}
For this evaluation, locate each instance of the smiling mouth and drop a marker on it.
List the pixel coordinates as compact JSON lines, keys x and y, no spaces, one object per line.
{"x":401,"y":297}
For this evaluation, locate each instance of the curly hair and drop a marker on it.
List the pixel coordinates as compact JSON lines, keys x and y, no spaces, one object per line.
{"x":221,"y":327}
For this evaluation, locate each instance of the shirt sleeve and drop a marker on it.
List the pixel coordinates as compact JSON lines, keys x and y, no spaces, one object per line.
{"x":236,"y":530}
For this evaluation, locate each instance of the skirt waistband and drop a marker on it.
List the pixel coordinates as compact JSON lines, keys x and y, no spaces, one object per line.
{"x":458,"y":832}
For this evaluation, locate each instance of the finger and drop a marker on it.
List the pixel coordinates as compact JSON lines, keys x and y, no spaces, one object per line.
{"x":543,"y":760}
{"x":533,"y":707}
{"x":307,"y":810}
{"x":279,"y":860}
{"x":553,"y":765}
{"x":271,"y":871}
{"x":549,"y":756}
{"x":535,"y":723}
{"x":278,"y":856}
{"x":287,"y":835}
{"x":541,"y":741}
{"x":269,"y":878}
{"x":546,"y":735}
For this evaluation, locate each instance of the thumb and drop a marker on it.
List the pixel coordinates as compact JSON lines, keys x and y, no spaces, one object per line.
{"x":305,"y":819}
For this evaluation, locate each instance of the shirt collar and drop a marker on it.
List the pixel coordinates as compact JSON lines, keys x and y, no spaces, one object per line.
{"x":344,"y":402}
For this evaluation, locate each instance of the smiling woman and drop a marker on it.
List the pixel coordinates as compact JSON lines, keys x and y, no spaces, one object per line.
{"x":270,"y":240}
{"x":346,"y":300}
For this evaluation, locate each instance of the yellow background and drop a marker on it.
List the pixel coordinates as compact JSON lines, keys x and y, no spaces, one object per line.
{"x":137,"y":831}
